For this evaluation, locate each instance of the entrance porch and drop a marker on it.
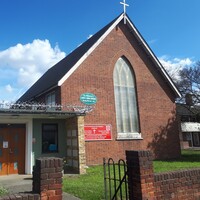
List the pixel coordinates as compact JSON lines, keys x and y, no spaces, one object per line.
{"x":27,"y":134}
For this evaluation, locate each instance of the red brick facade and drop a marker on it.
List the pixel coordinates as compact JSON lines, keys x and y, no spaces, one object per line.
{"x":156,"y":108}
{"x":47,"y":178}
{"x":143,"y":183}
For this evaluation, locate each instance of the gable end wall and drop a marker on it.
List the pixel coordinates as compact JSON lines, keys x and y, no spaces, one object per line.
{"x":156,"y":107}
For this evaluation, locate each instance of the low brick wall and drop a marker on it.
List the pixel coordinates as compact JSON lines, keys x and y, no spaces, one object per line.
{"x":21,"y":196}
{"x":178,"y":185}
{"x":47,"y":181}
{"x":145,"y":185}
{"x":47,"y":178}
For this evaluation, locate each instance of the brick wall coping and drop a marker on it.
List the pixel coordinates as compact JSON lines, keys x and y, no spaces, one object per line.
{"x":141,"y":153}
{"x":49,"y":162}
{"x":176,"y":174}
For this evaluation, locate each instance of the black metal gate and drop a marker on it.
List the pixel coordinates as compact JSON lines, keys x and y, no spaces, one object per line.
{"x":115,"y":179}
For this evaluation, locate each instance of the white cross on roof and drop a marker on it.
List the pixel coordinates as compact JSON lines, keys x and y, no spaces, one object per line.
{"x":125,"y":5}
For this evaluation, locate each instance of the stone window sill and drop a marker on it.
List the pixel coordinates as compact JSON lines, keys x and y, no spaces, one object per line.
{"x":129,"y":136}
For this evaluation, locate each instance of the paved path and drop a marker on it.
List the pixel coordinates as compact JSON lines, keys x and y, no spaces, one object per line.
{"x":23,"y":183}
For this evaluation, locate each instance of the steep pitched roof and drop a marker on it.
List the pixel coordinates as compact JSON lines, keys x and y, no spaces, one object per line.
{"x":56,"y":75}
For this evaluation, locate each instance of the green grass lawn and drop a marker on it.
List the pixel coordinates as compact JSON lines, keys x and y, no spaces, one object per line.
{"x":91,"y":185}
{"x":189,"y":159}
{"x":87,"y":186}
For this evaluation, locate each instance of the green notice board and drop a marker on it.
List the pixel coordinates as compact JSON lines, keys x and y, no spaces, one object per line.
{"x":88,"y":98}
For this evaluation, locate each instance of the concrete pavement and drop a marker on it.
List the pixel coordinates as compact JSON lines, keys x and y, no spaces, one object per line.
{"x":23,"y":183}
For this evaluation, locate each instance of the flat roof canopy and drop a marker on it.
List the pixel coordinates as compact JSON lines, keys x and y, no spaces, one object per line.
{"x":11,"y":110}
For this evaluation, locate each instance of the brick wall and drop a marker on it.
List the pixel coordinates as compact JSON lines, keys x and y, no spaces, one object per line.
{"x":47,"y":181}
{"x":21,"y":196}
{"x":140,"y":175}
{"x":47,"y":178}
{"x":178,"y":185}
{"x":144,"y":184}
{"x":156,"y":107}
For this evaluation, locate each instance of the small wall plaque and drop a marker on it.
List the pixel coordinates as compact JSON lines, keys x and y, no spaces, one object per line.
{"x":5,"y":144}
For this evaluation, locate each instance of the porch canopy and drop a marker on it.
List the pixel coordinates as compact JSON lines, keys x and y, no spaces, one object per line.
{"x":15,"y":110}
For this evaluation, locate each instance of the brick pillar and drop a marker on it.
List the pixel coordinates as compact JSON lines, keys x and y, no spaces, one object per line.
{"x":140,"y":175}
{"x":47,"y":178}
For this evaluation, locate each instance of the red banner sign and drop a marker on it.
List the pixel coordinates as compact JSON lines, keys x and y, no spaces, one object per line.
{"x":98,"y":132}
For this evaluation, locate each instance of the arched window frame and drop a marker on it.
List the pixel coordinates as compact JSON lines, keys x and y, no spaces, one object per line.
{"x":126,"y":106}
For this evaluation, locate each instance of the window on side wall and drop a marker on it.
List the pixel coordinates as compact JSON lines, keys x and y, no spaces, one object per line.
{"x":51,"y":100}
{"x":49,"y":138}
{"x":125,"y":101}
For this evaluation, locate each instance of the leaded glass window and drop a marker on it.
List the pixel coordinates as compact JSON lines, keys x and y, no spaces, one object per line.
{"x":125,"y":98}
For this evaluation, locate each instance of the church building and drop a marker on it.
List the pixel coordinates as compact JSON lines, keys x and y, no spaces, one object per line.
{"x":120,"y":96}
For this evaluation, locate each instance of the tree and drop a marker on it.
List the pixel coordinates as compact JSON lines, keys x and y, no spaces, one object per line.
{"x":189,"y":85}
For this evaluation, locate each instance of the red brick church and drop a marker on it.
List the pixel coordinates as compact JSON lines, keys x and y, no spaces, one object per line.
{"x":132,"y":96}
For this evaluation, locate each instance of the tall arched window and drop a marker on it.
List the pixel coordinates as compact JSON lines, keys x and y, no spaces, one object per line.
{"x":125,"y":100}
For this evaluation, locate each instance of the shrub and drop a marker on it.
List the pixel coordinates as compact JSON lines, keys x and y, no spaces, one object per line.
{"x":3,"y":191}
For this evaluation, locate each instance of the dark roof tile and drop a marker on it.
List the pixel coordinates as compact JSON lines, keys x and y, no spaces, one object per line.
{"x":54,"y":74}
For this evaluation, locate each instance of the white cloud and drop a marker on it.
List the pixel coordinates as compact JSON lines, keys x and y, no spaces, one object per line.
{"x":152,"y":41}
{"x":8,"y":88}
{"x":174,"y":65}
{"x":24,"y":64}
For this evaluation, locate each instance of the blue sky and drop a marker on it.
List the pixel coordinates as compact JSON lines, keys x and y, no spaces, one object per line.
{"x":34,"y":35}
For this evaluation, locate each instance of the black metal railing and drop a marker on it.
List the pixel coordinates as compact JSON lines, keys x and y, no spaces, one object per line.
{"x":115,"y":179}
